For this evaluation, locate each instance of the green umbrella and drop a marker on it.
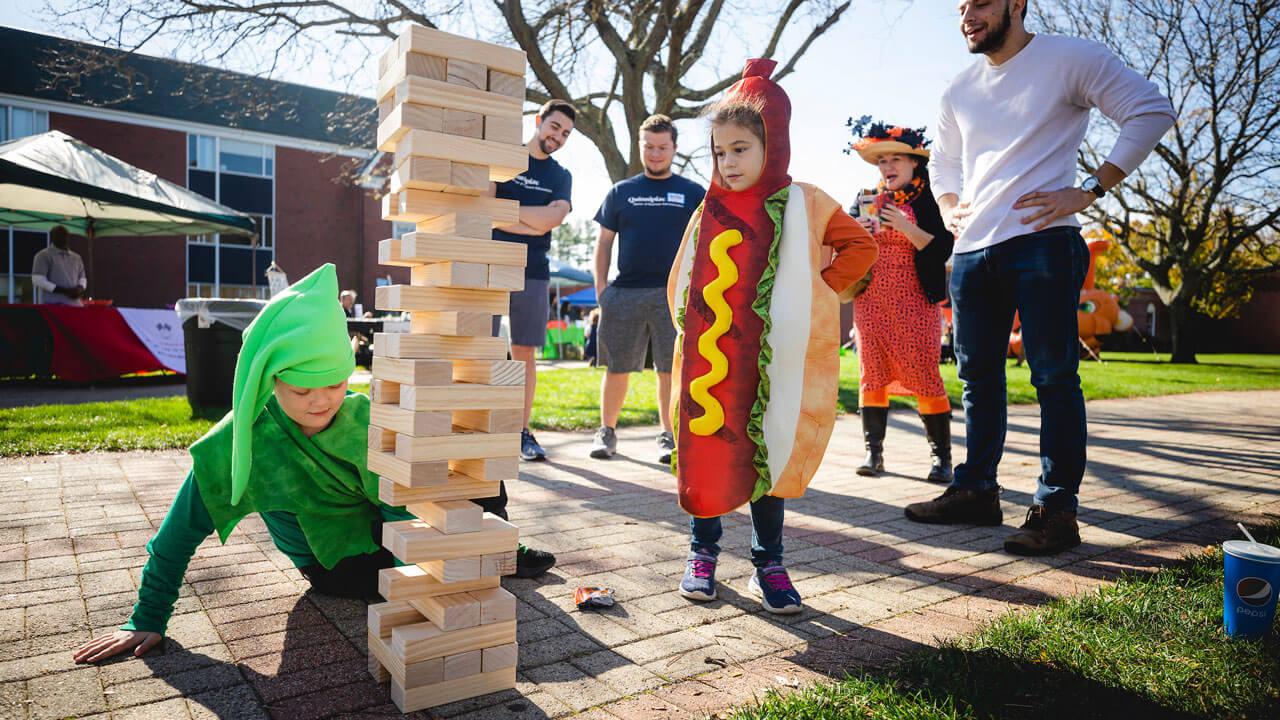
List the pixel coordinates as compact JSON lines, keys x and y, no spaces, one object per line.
{"x":54,"y":179}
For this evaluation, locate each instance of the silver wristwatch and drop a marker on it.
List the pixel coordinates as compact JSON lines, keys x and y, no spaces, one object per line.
{"x":1093,"y":185}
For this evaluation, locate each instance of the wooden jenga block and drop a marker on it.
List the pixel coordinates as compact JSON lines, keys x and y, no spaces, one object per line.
{"x":409,"y":698}
{"x":464,"y":396}
{"x":389,"y":253}
{"x":426,"y":672}
{"x":505,"y":277}
{"x":495,"y":605}
{"x":384,"y":108}
{"x":413,"y":372}
{"x":382,"y":439}
{"x":408,"y":345}
{"x":487,"y":469}
{"x":451,"y":323}
{"x":488,"y":372}
{"x":490,"y":421}
{"x":422,"y":65}
{"x":408,"y":297}
{"x":468,"y":74}
{"x":502,"y":129}
{"x":462,"y":665}
{"x":436,"y":93}
{"x":424,"y":641}
{"x":463,"y":123}
{"x":454,"y":516}
{"x":459,"y":444}
{"x":451,"y":274}
{"x":406,"y":117}
{"x":407,"y":581}
{"x":422,"y":247}
{"x":400,"y":419}
{"x":506,"y":84}
{"x":379,"y":673}
{"x":384,"y":391}
{"x":422,"y":173}
{"x":449,"y":612}
{"x":497,"y":564}
{"x":459,"y":224}
{"x":414,"y":541}
{"x":505,"y":160}
{"x":387,"y":615}
{"x":458,"y":487}
{"x":499,"y":657}
{"x":417,"y":38}
{"x":469,"y":179}
{"x":415,"y":206}
{"x":453,"y":570}
{"x":408,"y":474}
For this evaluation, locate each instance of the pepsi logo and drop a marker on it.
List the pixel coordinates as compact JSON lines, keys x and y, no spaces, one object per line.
{"x":1254,"y":591}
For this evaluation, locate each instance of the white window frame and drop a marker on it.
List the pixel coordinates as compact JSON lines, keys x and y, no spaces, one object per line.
{"x":264,"y":243}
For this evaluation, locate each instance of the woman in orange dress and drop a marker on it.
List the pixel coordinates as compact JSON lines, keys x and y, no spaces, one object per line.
{"x":896,"y":317}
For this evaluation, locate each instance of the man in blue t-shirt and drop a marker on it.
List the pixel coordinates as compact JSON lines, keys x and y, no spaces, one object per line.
{"x":543,"y":192}
{"x":649,"y":212}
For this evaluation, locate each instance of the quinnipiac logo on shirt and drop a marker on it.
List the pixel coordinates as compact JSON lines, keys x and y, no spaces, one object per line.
{"x":1254,"y":591}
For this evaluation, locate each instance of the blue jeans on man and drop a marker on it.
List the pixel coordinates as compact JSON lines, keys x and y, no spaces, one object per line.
{"x":1038,"y":275}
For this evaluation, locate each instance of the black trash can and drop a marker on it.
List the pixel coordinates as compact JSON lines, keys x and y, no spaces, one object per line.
{"x":211,"y":331}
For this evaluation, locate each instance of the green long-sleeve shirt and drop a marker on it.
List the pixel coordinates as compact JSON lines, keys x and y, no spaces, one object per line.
{"x":186,"y":525}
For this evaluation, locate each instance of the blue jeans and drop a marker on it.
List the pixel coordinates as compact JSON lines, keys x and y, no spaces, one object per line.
{"x":1039,"y":275}
{"x":766,"y":532}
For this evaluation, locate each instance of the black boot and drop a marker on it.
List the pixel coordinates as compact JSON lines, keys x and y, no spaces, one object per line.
{"x":937,"y":428}
{"x":874,"y":420}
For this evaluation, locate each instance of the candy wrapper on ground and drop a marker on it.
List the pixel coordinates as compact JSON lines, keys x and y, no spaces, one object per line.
{"x":590,"y":597}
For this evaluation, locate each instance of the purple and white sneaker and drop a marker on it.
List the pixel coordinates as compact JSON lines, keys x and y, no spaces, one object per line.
{"x":699,"y":582}
{"x":776,"y":592}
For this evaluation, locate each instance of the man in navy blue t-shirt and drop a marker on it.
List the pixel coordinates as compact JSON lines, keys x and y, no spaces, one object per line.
{"x":543,"y":191}
{"x":649,"y":213}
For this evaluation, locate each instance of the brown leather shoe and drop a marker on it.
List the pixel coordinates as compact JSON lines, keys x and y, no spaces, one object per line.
{"x":1044,"y":533}
{"x":958,"y":505}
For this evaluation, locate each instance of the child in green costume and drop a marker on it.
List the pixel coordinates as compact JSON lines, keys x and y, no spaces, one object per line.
{"x":293,"y":449}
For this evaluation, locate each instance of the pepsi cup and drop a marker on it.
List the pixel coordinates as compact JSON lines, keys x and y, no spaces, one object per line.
{"x":1252,"y":581}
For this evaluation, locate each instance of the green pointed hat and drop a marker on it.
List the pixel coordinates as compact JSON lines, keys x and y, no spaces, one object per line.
{"x":299,"y":337}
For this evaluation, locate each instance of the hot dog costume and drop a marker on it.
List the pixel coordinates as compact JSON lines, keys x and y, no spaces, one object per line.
{"x":315,"y":494}
{"x":756,"y":362}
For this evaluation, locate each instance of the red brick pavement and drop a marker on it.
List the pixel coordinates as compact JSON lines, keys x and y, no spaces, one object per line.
{"x":1166,"y":476}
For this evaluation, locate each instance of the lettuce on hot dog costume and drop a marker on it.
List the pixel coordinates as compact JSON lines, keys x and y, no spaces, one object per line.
{"x":756,"y":362}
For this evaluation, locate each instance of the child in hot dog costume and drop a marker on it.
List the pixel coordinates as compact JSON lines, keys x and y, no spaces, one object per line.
{"x":756,"y":362}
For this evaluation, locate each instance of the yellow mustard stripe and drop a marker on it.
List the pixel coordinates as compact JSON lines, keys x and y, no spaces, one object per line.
{"x":712,"y":418}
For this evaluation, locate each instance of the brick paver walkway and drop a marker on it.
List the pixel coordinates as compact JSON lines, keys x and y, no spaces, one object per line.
{"x":247,"y":641}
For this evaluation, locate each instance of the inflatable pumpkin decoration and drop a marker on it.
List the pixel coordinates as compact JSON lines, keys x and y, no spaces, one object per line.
{"x":1097,"y":314}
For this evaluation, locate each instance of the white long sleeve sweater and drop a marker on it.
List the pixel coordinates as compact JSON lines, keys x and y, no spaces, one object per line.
{"x":1007,"y":130}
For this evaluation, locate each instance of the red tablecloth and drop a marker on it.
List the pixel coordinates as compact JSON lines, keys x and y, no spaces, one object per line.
{"x":89,"y":343}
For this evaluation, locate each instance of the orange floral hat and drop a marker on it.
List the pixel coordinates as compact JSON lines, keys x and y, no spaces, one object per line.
{"x":879,"y":138}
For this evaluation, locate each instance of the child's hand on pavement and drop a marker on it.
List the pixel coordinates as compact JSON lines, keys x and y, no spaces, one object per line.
{"x":105,"y":646}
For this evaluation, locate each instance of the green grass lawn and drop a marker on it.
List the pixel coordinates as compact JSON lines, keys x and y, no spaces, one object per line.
{"x":1150,"y":646}
{"x":568,"y":399}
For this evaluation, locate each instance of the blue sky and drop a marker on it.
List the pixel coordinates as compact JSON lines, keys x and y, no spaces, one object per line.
{"x":890,"y":59}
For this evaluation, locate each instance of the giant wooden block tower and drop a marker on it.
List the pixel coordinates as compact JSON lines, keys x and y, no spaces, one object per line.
{"x":447,"y":404}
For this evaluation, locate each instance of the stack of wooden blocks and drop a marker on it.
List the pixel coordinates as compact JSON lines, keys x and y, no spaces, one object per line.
{"x":447,"y":404}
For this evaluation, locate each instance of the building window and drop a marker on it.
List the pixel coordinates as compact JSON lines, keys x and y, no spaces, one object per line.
{"x":18,"y":122}
{"x":239,"y":175}
{"x":18,"y":250}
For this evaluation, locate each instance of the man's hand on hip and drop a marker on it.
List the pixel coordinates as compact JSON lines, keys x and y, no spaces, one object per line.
{"x":1053,"y":204}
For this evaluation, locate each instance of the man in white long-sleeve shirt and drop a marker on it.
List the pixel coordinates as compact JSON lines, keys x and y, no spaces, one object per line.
{"x":1003,"y":171}
{"x":58,"y":271}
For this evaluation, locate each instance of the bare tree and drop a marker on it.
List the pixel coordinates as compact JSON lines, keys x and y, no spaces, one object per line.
{"x":638,"y":56}
{"x":1206,"y":206}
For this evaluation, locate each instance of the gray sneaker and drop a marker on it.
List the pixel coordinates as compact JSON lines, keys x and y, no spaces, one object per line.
{"x":666,"y":443}
{"x":605,"y":444}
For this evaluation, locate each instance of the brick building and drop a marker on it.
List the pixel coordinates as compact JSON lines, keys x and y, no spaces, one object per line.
{"x":277,"y":151}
